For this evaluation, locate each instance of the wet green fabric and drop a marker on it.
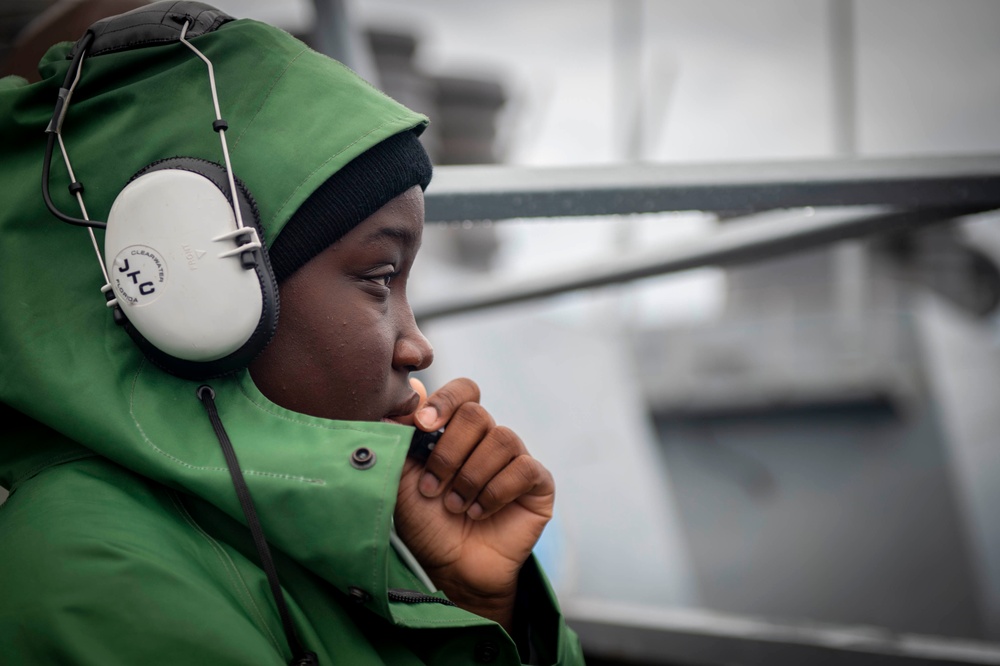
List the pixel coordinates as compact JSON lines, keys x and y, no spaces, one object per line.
{"x":121,"y":541}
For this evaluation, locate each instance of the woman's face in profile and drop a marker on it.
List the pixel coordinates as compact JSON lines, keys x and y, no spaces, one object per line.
{"x":347,"y":341}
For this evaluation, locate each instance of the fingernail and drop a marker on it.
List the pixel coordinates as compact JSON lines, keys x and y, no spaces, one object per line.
{"x":427,"y":416}
{"x":428,"y":485}
{"x":454,"y":502}
{"x":475,"y":511}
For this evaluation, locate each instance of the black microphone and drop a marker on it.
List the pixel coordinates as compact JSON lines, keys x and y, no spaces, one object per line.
{"x":423,"y":443}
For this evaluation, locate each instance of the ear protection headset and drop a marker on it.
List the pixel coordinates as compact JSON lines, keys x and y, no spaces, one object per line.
{"x":185,"y":268}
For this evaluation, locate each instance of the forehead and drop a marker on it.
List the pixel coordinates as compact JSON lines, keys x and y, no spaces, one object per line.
{"x":400,"y":221}
{"x":380,"y":232}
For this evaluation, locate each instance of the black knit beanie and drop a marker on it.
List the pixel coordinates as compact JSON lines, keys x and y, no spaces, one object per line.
{"x":348,"y":197}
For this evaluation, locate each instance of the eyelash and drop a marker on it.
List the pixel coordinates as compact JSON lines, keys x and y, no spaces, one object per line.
{"x":384,"y":279}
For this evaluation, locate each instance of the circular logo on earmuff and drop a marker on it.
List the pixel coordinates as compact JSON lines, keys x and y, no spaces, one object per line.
{"x":139,"y":275}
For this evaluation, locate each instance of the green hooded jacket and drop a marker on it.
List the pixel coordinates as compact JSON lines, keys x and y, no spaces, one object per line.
{"x":122,"y":541}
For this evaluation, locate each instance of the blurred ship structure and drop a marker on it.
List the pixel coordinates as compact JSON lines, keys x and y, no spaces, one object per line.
{"x":813,"y":430}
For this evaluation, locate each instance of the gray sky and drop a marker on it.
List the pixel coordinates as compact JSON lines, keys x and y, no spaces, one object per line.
{"x":720,"y":79}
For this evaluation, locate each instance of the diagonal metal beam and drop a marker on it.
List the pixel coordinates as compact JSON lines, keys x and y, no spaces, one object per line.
{"x":734,"y":244}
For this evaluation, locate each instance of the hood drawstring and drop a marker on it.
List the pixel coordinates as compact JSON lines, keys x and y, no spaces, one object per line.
{"x":300,"y":655}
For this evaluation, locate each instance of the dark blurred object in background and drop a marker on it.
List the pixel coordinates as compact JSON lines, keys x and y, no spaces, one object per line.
{"x":25,"y":35}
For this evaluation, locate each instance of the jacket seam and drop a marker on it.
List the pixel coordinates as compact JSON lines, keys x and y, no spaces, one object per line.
{"x":375,"y":541}
{"x":232,"y":571}
{"x":414,"y":580}
{"x":52,"y":461}
{"x":150,"y":444}
{"x":318,"y":426}
{"x":431,"y":622}
{"x":263,"y":102}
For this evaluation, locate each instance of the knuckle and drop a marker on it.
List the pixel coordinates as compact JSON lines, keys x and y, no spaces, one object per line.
{"x":465,"y":485}
{"x":453,"y":395}
{"x":442,"y":400}
{"x":507,"y":439}
{"x":443,"y":462}
{"x":472,"y":412}
{"x":526,"y":468}
{"x":490,"y":497}
{"x":471,"y":387}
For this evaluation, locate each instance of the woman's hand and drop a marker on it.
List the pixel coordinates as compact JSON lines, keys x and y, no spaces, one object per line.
{"x":472,"y":513}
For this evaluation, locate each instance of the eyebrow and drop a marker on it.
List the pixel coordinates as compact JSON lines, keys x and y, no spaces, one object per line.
{"x":403,"y":234}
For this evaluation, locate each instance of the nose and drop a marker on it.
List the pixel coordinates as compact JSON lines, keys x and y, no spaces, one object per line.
{"x":413,"y":351}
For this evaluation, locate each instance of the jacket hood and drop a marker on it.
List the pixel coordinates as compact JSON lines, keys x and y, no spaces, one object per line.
{"x":295,"y":118}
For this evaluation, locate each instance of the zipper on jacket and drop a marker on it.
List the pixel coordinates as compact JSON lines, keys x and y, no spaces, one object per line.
{"x":414,"y":597}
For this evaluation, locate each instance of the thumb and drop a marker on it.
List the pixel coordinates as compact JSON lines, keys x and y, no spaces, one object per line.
{"x":421,"y":390}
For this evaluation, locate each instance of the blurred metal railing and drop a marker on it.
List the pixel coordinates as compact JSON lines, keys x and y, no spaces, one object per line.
{"x":878,"y":196}
{"x":642,"y":636}
{"x":498,"y":192}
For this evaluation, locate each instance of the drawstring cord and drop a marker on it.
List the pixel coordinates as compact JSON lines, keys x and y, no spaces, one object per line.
{"x":300,"y":656}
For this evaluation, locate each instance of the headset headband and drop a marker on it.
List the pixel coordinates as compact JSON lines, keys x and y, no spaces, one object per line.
{"x":184,"y":273}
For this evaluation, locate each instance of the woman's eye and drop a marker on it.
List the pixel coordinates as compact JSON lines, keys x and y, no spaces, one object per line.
{"x":384,"y":278}
{"x":380,"y":275}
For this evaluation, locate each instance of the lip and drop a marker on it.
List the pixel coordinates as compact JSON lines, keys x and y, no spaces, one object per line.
{"x":406,"y":408}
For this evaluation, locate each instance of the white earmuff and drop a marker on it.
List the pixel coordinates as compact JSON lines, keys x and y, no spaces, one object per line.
{"x":172,"y":267}
{"x":196,"y":290}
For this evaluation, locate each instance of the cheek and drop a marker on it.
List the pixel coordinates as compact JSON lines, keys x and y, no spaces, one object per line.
{"x":352,"y":364}
{"x":368,"y":354}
